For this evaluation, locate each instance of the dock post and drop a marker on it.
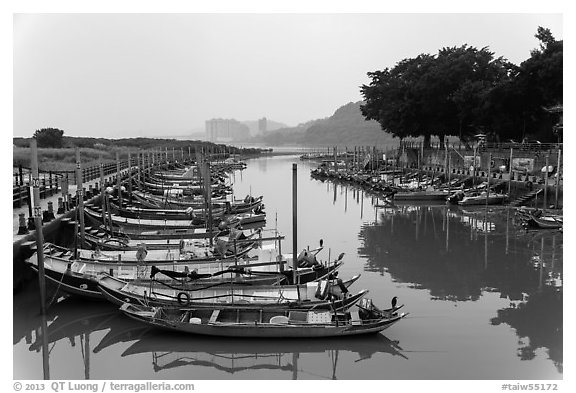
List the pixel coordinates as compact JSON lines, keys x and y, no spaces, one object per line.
{"x":102,"y":191}
{"x":22,"y":229}
{"x":488,"y":185}
{"x":129,"y":178}
{"x":49,"y":214}
{"x":545,"y":202}
{"x":335,"y":151}
{"x":139,"y":164}
{"x":38,"y":224}
{"x":294,"y":223}
{"x":60,"y":206}
{"x":510,"y":172}
{"x":118,"y":179}
{"x":50,"y":183}
{"x":64,"y":190}
{"x":205,"y":167}
{"x":80,"y":197}
{"x":557,"y":178}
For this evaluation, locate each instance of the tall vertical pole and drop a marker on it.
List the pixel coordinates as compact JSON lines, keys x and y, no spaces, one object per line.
{"x":558,"y":177}
{"x":139,"y":163}
{"x":37,"y":211}
{"x":208,"y":198}
{"x":102,"y":190}
{"x":445,"y":160}
{"x":45,"y":348}
{"x":118,"y":179}
{"x":474,"y":166}
{"x":449,"y":172}
{"x":488,"y":185}
{"x":80,"y":197}
{"x":545,"y":202}
{"x":335,"y":151}
{"x":294,"y":223}
{"x":129,"y":177}
{"x":510,"y":173}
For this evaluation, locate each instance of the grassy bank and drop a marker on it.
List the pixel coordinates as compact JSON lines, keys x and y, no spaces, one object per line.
{"x":64,"y":159}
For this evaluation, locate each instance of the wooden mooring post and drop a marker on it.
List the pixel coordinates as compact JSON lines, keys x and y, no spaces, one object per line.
{"x":38,"y":224}
{"x":80,"y":197}
{"x":545,"y":202}
{"x":208,"y":198}
{"x":488,"y":184}
{"x":510,"y":172}
{"x":102,"y":190}
{"x":118,"y":179}
{"x":129,"y":178}
{"x":557,"y":178}
{"x":294,"y":223}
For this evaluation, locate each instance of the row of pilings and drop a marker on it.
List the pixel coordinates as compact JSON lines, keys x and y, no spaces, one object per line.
{"x":521,"y":168}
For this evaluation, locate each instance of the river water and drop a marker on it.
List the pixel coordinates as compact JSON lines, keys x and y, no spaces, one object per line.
{"x":484,"y":296}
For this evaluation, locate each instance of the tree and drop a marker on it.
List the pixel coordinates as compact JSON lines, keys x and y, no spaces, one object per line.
{"x":434,"y":95}
{"x":516,"y":105}
{"x":49,"y":137}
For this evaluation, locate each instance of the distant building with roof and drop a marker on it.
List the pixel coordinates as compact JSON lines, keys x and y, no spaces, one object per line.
{"x":226,"y":130}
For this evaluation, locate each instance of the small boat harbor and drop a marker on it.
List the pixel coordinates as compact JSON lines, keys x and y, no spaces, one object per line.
{"x":182,"y":247}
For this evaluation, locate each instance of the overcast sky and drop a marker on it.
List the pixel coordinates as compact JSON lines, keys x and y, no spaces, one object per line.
{"x":126,"y":75}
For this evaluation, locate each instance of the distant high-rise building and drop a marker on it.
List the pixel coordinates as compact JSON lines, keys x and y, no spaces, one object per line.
{"x":262,"y":126}
{"x":226,"y":130}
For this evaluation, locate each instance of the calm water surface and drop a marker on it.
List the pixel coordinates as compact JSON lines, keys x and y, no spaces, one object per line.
{"x":484,"y":297}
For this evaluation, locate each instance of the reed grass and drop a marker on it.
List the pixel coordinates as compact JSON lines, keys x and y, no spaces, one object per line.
{"x":64,"y":159}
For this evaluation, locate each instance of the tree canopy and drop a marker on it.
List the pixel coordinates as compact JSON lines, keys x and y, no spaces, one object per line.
{"x":465,"y":91}
{"x":49,"y":137}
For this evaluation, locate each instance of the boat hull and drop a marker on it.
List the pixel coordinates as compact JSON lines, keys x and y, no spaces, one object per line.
{"x":262,"y":330}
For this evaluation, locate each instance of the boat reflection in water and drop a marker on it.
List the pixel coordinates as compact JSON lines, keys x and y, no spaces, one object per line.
{"x":89,"y":332}
{"x":468,"y":253}
{"x":235,"y":356}
{"x":70,"y":326}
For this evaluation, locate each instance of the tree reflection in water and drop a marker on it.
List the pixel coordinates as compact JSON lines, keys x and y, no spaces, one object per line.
{"x":458,"y":254}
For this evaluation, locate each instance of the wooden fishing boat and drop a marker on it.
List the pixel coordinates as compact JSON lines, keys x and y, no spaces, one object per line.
{"x":266,"y":323}
{"x":235,"y":206}
{"x":422,"y":195}
{"x":79,"y":276}
{"x":325,"y":293}
{"x":172,"y":234}
{"x":480,"y":199}
{"x":160,"y":189}
{"x":195,"y":215}
{"x":123,"y":224}
{"x":100,"y":239}
{"x":537,"y":219}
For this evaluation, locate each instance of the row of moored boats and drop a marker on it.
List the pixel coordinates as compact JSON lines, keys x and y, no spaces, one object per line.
{"x":177,"y":256}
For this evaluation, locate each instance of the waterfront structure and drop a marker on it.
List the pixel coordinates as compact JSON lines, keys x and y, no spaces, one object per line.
{"x":225,"y":130}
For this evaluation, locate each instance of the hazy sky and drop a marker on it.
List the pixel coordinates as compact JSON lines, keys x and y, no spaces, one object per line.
{"x":124,"y":75}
